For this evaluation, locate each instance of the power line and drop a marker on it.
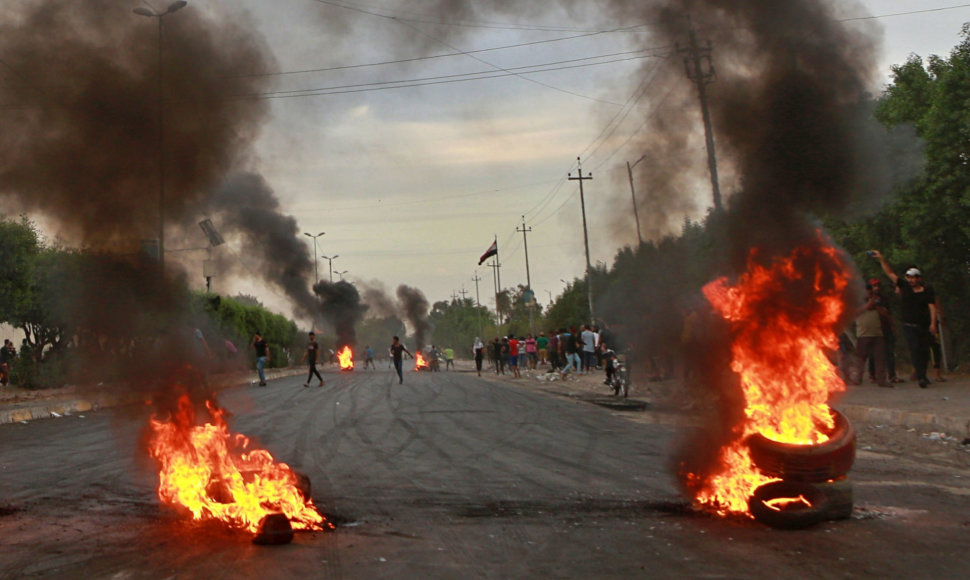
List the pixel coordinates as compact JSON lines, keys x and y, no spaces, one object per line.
{"x":909,"y":13}
{"x":422,"y":19}
{"x":475,"y":75}
{"x":418,"y":82}
{"x":451,"y":54}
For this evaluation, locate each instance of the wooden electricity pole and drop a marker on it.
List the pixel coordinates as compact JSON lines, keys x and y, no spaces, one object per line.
{"x":700,"y":69}
{"x":582,"y":204}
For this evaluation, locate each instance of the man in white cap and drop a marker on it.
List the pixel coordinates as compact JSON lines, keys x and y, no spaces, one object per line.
{"x":918,"y":314}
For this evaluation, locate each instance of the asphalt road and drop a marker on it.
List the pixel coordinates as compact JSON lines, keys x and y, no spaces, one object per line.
{"x":452,"y":476}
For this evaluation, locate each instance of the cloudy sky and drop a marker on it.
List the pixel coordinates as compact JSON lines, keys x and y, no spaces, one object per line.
{"x":414,"y":137}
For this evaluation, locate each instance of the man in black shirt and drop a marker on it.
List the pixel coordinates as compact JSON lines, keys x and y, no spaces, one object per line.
{"x":7,"y":354}
{"x":312,"y":348}
{"x":396,"y":349}
{"x":918,"y":313}
{"x":262,"y":356}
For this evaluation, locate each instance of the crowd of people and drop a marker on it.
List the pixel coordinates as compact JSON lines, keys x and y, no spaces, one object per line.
{"x":873,"y":350}
{"x":870,"y":349}
{"x":567,"y":350}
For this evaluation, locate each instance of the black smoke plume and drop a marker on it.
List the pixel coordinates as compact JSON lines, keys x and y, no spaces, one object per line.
{"x":341,"y":307}
{"x":249,"y":209}
{"x":415,"y":307}
{"x":79,"y":102}
{"x":786,"y":105}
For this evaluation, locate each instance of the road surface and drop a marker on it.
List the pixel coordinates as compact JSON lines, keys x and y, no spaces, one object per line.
{"x":452,"y":476}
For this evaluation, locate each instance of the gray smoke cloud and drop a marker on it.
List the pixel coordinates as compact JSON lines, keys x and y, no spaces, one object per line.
{"x":379,"y":302}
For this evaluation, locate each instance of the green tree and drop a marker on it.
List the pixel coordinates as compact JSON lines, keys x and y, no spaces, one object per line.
{"x":926,"y":223}
{"x":456,"y":324}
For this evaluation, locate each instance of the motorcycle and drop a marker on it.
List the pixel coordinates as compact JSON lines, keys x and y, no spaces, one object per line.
{"x":619,"y":378}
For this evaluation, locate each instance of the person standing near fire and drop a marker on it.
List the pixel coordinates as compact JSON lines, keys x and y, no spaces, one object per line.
{"x":870,"y":341}
{"x":918,"y":312}
{"x":312,"y":348}
{"x":397,"y":350}
{"x":888,"y":333}
{"x":262,"y":356}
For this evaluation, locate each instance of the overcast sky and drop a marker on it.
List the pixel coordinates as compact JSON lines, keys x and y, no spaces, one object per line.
{"x":411,"y":181}
{"x":410,"y":185}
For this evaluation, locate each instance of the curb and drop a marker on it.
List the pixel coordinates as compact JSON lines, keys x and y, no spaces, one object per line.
{"x":878,"y":415}
{"x":56,"y":408}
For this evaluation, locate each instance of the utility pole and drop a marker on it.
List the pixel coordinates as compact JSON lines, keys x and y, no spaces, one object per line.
{"x":525,"y":243}
{"x":478,"y":304}
{"x":636,"y":215}
{"x":693,"y":57}
{"x":495,"y":265}
{"x":528,"y":279}
{"x":582,"y":203}
{"x":463,"y":293}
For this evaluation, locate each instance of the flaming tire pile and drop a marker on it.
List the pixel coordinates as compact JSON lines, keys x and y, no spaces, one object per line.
{"x":812,"y":485}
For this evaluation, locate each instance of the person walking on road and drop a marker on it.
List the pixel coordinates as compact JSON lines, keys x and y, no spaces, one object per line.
{"x":478,"y":350}
{"x":449,"y":358}
{"x":312,"y":348}
{"x":369,"y":358}
{"x":918,"y":314}
{"x":262,"y":357}
{"x":396,"y":355}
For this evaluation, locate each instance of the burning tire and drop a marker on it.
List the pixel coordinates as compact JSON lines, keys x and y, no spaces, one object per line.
{"x":793,"y":505}
{"x":788,"y":505}
{"x":807,"y":463}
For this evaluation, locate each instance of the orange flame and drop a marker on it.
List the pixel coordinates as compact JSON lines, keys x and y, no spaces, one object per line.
{"x":345,"y":357}
{"x":419,"y":362}
{"x":213,"y":473}
{"x":783,"y":503}
{"x":783,"y":320}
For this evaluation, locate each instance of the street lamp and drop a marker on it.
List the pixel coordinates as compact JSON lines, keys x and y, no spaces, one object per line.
{"x":636,"y":216}
{"x":316,"y":275}
{"x":330,"y":260}
{"x":142,"y":11}
{"x":341,"y":274}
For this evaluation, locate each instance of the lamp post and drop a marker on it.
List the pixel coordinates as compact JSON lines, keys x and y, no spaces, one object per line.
{"x":341,"y":274}
{"x":142,"y":11}
{"x":636,"y":216}
{"x":330,"y":260}
{"x":316,"y":275}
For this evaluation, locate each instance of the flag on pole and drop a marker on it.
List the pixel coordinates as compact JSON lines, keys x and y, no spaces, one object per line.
{"x":491,"y":251}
